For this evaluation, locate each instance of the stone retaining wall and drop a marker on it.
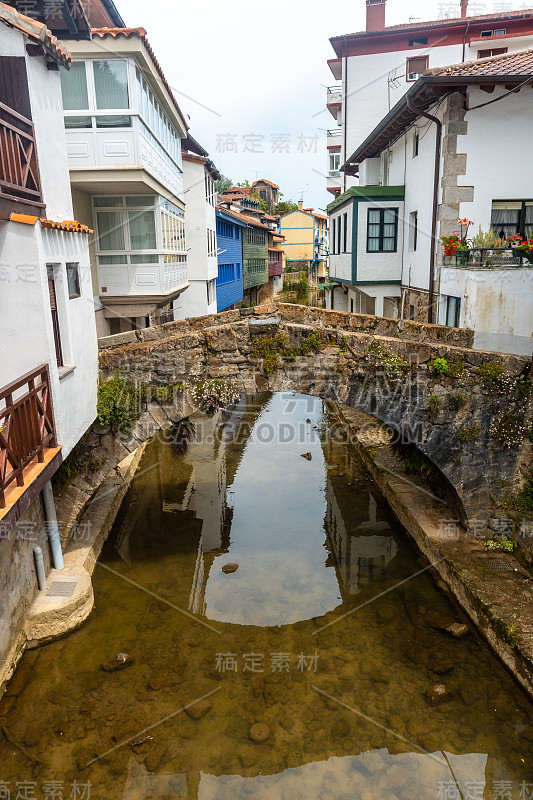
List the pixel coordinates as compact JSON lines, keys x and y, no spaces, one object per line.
{"x":342,"y":370}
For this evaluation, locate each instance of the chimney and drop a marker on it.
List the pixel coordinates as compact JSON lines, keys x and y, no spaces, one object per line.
{"x":375,"y":15}
{"x":300,"y":205}
{"x":464,"y":8}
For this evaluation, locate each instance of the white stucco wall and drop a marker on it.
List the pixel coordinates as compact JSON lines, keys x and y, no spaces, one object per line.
{"x":193,"y":301}
{"x":26,"y":334}
{"x":199,"y":215}
{"x":498,"y":302}
{"x":27,"y":338}
{"x":506,"y":125}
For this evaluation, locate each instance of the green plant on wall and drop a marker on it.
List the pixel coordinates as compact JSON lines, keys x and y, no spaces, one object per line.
{"x":440,"y":366}
{"x":469,"y":434}
{"x":118,"y":403}
{"x":433,"y":408}
{"x":503,"y":545}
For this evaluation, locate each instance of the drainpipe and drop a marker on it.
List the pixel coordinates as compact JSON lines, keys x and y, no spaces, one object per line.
{"x":464,"y":41}
{"x":345,"y":110}
{"x":438,"y":150}
{"x":53,"y":527}
{"x":39,"y":568}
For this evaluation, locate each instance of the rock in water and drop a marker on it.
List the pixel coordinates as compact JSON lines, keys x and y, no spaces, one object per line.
{"x":120,"y":661}
{"x":308,"y":456}
{"x":457,"y":629}
{"x":438,"y":693}
{"x":259,"y":732}
{"x":228,"y":568}
{"x":199,"y":709}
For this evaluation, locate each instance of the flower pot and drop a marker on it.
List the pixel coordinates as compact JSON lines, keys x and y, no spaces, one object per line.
{"x":523,"y":254}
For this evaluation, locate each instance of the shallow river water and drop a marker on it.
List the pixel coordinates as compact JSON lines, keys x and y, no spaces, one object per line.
{"x":326,"y":639}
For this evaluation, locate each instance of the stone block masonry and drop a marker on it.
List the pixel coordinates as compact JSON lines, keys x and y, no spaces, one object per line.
{"x":377,"y":365}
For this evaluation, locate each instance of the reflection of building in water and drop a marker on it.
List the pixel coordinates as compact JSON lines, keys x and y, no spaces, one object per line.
{"x":196,"y":482}
{"x":360,"y":551}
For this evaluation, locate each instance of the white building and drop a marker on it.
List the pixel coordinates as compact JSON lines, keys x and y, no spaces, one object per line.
{"x":46,"y":303}
{"x":199,"y":176}
{"x":124,"y":130}
{"x":48,"y":346}
{"x":439,"y":143}
{"x":376,"y":67}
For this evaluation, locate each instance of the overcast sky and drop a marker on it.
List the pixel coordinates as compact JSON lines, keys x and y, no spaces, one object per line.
{"x":252,"y":76}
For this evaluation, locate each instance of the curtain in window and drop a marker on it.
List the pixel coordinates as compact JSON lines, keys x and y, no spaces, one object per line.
{"x":110,"y":230}
{"x":389,"y":231}
{"x":74,"y":87}
{"x":111,"y":84}
{"x":374,"y":218}
{"x":142,"y":230}
{"x":505,"y":221}
{"x":529,"y":221}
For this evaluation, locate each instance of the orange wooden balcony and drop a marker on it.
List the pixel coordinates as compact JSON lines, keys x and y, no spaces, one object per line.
{"x":29,"y":453}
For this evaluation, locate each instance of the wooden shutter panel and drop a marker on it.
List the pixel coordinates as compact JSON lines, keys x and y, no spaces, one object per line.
{"x":14,"y":91}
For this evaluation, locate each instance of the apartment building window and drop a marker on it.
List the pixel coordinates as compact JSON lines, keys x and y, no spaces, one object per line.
{"x":55,"y":314}
{"x":345,"y":232}
{"x":226,"y":274}
{"x":225,"y":229}
{"x":211,"y":291}
{"x":211,"y":243}
{"x":100,"y":88}
{"x":416,"y":66}
{"x":333,"y":232}
{"x":416,"y":145}
{"x":382,"y":230}
{"x":256,"y":236}
{"x":512,"y":216}
{"x":496,"y":51}
{"x":136,"y":229}
{"x":256,"y":265}
{"x":156,"y":126}
{"x":453,"y":311}
{"x":73,"y":281}
{"x":413,"y":230}
{"x":334,"y":162}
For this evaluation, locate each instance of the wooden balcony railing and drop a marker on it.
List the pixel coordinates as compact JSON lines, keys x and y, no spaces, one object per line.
{"x":27,"y":426}
{"x":19,"y":171}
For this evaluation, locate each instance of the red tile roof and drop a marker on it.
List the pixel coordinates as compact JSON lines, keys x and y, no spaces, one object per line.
{"x":269,"y":183}
{"x":37,"y":32}
{"x":438,"y":23}
{"x":70,"y":225}
{"x":518,"y":63}
{"x":127,"y":33}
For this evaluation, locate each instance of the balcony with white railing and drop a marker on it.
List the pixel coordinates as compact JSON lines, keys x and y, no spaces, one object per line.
{"x":334,"y":100}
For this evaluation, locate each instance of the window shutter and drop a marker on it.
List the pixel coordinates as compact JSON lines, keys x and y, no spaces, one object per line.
{"x":14,"y":91}
{"x":417,"y":65}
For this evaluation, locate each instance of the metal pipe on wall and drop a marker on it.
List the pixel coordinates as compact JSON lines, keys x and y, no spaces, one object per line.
{"x":53,"y":527}
{"x":438,"y":150}
{"x":39,"y":568}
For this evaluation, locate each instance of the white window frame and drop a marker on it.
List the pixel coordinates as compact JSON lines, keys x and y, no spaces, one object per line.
{"x":165,"y":213}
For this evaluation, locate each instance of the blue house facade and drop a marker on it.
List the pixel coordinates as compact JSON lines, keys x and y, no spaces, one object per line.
{"x":229,"y":243}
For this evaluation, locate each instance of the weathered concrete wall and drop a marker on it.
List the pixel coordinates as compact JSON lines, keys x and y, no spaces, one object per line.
{"x":345,"y":370}
{"x":18,"y":582}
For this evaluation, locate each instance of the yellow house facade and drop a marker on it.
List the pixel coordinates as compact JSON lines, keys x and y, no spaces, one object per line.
{"x":306,"y":240}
